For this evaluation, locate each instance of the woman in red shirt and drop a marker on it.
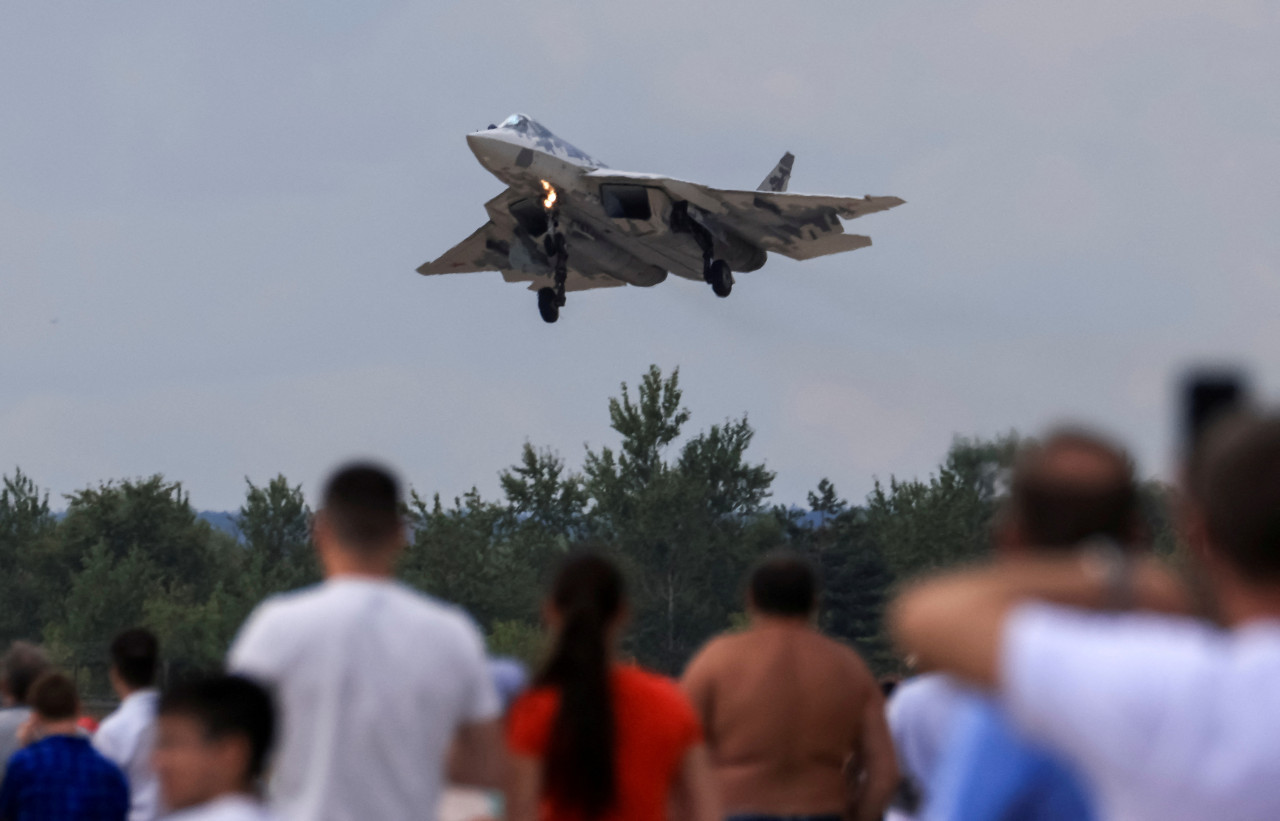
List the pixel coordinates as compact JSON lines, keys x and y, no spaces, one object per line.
{"x":595,"y":740}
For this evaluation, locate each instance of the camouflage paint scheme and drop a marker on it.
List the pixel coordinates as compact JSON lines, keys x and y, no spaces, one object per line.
{"x":607,"y":251}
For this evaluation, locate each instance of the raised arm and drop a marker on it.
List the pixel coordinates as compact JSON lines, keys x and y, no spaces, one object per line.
{"x":954,"y":622}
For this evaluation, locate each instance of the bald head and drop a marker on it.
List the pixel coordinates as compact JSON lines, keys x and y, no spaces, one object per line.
{"x":1072,"y":487}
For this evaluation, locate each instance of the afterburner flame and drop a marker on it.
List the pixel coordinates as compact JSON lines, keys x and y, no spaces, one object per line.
{"x":551,"y":194}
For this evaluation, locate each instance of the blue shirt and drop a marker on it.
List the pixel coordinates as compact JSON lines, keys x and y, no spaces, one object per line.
{"x":990,"y":772}
{"x":62,"y":778}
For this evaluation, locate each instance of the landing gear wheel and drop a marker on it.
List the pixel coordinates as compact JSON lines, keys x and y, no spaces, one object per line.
{"x":720,"y":277}
{"x":548,"y":304}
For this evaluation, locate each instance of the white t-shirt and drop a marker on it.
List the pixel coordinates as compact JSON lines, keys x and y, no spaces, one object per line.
{"x":1168,"y":718}
{"x":372,"y":680}
{"x":921,"y":713}
{"x":226,"y":808}
{"x":126,"y":738}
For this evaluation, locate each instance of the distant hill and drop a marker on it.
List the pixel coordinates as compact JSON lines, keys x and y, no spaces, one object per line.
{"x":220,"y":520}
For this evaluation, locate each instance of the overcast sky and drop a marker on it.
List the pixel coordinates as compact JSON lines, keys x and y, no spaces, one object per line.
{"x":210,"y":216}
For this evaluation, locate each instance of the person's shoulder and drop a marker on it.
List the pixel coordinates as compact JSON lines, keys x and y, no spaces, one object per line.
{"x":105,"y":766}
{"x":648,"y":684}
{"x":843,"y":653}
{"x":23,"y":760}
{"x":433,"y":613}
{"x":227,"y":808}
{"x":926,"y":687}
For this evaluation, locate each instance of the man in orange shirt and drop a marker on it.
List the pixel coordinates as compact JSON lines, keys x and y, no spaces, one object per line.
{"x":794,"y":720}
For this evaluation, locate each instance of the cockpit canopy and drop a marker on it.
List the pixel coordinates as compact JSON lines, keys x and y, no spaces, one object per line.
{"x":531,"y":131}
{"x":517,"y":121}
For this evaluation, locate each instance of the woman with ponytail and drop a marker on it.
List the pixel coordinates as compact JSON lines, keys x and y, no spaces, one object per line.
{"x":595,"y":740}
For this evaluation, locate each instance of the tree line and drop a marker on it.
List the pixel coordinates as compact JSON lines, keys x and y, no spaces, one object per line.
{"x":685,"y":515}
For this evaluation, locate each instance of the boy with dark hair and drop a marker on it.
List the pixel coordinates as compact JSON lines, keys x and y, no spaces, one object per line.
{"x":59,"y":776}
{"x":127,"y":735}
{"x":211,"y":749}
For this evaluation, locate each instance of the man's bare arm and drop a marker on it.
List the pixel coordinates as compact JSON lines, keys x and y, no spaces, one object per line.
{"x":524,"y":787}
{"x":872,"y":786}
{"x":478,"y":757}
{"x":954,"y":622}
{"x":694,"y":796}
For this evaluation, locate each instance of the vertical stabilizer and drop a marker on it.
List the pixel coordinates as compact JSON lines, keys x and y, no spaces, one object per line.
{"x":780,"y":175}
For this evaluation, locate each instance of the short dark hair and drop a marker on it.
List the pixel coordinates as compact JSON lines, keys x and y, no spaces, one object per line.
{"x":54,"y":697}
{"x":784,"y":584}
{"x":227,"y":706}
{"x":1058,"y":504}
{"x":22,"y":664}
{"x":1238,"y":486}
{"x":135,"y":654}
{"x":362,"y":504}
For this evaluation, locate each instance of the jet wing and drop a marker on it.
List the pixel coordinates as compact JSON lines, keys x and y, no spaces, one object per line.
{"x":495,"y":247}
{"x":482,"y":251}
{"x":800,"y":226}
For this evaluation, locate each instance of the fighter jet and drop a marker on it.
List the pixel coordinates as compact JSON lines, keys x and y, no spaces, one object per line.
{"x":567,"y":222}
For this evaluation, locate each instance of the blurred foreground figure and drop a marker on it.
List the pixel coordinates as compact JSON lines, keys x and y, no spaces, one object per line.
{"x":795,"y":720}
{"x":962,"y":756}
{"x":375,"y":682}
{"x":58,"y":776}
{"x":1166,"y":717}
{"x":595,"y":739}
{"x":19,"y":669}
{"x":211,"y":749}
{"x":128,"y":734}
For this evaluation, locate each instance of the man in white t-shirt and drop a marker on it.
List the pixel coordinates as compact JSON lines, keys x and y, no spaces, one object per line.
{"x":128,"y":734}
{"x":1166,"y":717}
{"x":383,"y":692}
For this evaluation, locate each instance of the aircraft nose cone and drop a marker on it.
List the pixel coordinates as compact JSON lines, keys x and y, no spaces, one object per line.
{"x":491,"y":150}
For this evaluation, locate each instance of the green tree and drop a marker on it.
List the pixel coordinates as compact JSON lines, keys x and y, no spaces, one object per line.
{"x":120,"y":545}
{"x":686,"y":528}
{"x":923,"y":526}
{"x":855,"y":577}
{"x":275,"y":523}
{"x":26,"y":532}
{"x":459,"y":554}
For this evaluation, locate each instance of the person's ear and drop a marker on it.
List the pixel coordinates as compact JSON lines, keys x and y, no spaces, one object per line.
{"x":232,"y":756}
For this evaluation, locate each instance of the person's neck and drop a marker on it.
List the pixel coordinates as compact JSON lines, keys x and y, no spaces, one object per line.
{"x":774,"y":620}
{"x":1246,"y":603}
{"x":355,"y":567}
{"x":63,"y":727}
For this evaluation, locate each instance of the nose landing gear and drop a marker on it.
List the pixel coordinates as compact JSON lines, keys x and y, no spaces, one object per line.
{"x":551,"y":300}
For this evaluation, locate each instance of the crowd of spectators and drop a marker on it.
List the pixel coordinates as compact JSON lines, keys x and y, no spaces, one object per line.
{"x":1074,"y":676}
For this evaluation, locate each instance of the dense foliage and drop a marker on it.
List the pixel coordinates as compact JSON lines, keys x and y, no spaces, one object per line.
{"x":686,"y":515}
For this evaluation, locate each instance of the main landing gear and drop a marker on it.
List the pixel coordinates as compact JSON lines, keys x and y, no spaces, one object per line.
{"x":715,"y":272}
{"x":551,"y":300}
